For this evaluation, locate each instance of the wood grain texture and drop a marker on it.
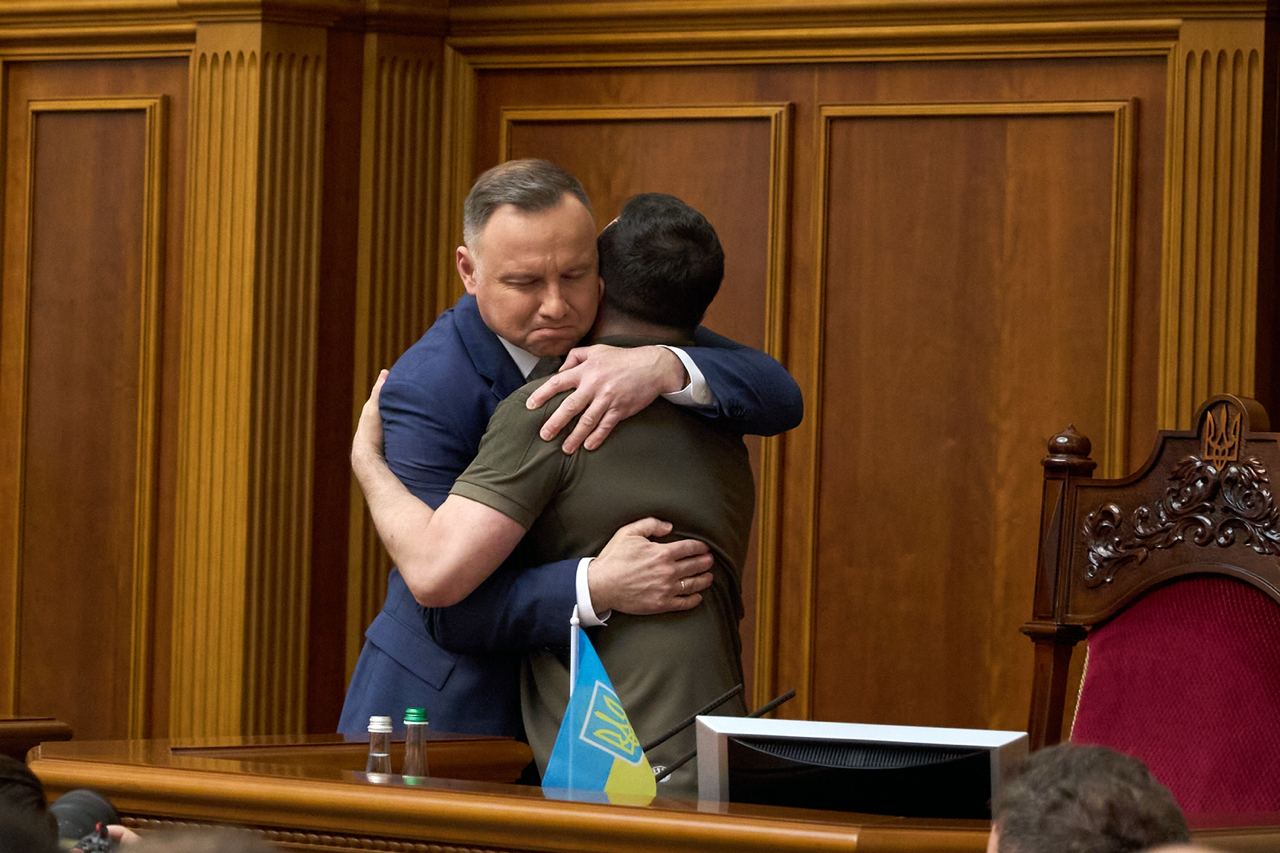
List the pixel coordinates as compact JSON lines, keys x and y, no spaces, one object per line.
{"x":1209,"y":311}
{"x":244,"y":514}
{"x":396,"y":287}
{"x":314,"y":804}
{"x":85,"y":329}
{"x":272,"y":359}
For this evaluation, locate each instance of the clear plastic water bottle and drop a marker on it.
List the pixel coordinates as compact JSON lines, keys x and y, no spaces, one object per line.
{"x":415,"y":742}
{"x":379,"y":763}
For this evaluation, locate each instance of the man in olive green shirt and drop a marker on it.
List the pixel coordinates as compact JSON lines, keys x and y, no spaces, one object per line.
{"x":662,"y":264}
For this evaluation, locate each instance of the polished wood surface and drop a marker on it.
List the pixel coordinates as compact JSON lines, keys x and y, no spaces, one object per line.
{"x":312,"y":794}
{"x":19,"y":734}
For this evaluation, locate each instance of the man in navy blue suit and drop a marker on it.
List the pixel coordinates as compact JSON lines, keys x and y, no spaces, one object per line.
{"x":529,"y":267}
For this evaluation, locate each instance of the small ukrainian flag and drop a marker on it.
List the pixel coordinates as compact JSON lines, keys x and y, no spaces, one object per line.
{"x":596,"y":749}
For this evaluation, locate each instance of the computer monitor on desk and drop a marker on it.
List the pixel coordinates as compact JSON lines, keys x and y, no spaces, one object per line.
{"x":912,"y":771}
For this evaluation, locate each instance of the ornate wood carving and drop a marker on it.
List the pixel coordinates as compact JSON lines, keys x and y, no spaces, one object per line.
{"x":1218,"y":497}
{"x":1203,"y":506}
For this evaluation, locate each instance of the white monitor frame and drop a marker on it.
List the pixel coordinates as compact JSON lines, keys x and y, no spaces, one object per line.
{"x":1007,"y":748}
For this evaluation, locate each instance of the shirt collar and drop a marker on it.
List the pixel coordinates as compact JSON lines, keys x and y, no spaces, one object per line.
{"x":525,"y":360}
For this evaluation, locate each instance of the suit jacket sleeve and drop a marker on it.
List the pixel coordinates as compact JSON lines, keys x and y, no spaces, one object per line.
{"x":755,"y":395}
{"x":428,"y":442}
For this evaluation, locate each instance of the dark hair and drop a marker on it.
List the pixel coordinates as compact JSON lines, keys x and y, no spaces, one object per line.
{"x":1086,"y":799}
{"x":25,"y":832}
{"x":21,"y":788}
{"x":529,"y":185}
{"x":661,"y":261}
{"x":25,"y":823}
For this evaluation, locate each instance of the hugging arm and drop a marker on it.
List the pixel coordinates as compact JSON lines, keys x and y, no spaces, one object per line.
{"x":746,"y":388}
{"x":443,"y":555}
{"x":753,"y":392}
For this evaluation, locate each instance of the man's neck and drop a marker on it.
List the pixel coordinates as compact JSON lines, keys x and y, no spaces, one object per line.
{"x":612,"y":325}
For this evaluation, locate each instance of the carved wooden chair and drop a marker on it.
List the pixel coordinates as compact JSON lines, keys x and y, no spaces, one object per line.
{"x":1172,"y":576}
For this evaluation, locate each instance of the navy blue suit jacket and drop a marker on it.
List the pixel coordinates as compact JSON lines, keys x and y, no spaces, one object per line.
{"x":436,"y":404}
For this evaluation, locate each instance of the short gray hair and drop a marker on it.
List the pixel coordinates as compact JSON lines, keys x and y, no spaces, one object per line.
{"x":529,"y":185}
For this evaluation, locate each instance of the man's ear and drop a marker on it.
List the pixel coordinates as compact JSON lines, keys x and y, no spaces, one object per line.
{"x":466,"y":263}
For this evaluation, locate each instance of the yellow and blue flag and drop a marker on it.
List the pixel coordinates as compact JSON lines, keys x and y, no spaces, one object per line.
{"x":597,"y":749}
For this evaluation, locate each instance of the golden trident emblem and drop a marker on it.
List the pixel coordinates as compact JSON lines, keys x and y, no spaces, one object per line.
{"x":1221,"y":439}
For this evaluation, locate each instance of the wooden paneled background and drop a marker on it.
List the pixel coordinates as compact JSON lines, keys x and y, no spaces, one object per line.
{"x":961,"y":226}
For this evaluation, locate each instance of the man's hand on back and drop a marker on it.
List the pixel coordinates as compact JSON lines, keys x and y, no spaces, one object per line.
{"x":366,"y":445}
{"x":636,"y":575}
{"x":610,"y":385}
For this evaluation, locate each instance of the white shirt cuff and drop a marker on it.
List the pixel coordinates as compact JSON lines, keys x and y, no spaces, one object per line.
{"x":587,"y":617}
{"x":697,"y":392}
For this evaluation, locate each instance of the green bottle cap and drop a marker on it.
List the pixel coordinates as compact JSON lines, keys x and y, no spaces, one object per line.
{"x":415,"y":715}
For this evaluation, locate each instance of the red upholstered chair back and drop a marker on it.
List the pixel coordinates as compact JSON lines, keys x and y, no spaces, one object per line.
{"x":1173,"y":575}
{"x":1187,"y":678}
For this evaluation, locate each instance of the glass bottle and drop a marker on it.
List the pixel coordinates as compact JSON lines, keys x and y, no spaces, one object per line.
{"x":379,"y":763}
{"x":415,"y":746}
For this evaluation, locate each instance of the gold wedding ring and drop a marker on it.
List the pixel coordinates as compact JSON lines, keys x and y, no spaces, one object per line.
{"x":682,"y":586}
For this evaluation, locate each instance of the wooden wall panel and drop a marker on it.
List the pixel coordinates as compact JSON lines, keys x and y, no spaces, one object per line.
{"x":951,"y":236}
{"x":86,"y":491}
{"x":89,"y":297}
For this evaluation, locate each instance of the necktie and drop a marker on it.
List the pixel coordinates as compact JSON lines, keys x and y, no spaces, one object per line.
{"x":546,"y":366}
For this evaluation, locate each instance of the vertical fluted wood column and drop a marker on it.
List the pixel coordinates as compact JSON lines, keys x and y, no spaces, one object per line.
{"x":1210,"y":285}
{"x":399,"y":161}
{"x":248,"y":379}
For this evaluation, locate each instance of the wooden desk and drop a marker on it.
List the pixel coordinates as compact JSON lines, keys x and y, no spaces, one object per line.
{"x":19,"y":734}
{"x":309,"y":794}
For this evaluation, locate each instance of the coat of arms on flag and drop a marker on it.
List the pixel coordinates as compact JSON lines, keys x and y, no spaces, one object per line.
{"x":597,"y":749}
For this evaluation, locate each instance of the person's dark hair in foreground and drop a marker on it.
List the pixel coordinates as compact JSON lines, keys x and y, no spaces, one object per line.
{"x":1084,"y":799}
{"x":25,"y":822}
{"x":658,"y":241}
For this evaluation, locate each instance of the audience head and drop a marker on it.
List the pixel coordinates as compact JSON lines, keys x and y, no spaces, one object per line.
{"x":1084,"y":799}
{"x":25,"y":822}
{"x":529,"y":257}
{"x":20,"y":788}
{"x":661,"y":262}
{"x":23,"y":832}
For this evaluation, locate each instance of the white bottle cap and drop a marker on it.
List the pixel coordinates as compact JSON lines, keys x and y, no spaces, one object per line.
{"x":379,"y":724}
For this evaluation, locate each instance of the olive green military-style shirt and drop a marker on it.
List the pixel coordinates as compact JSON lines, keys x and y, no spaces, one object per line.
{"x":667,"y":462}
